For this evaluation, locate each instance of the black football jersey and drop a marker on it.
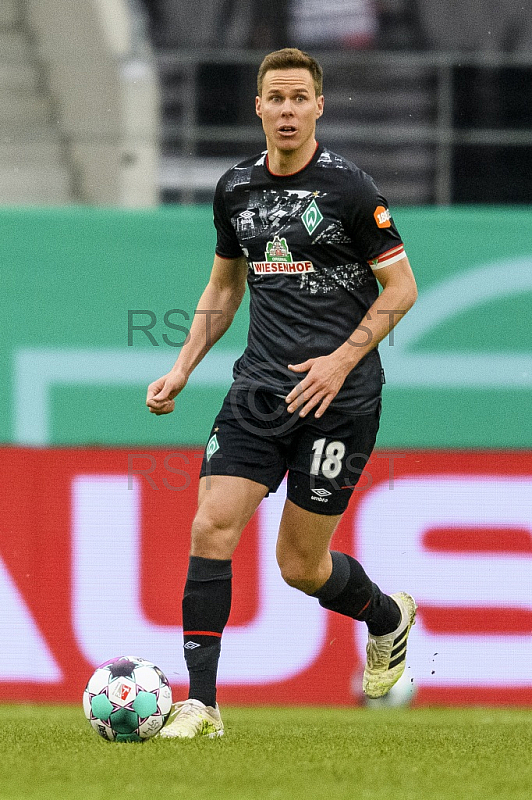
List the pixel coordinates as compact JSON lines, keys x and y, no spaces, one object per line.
{"x":311,"y":241}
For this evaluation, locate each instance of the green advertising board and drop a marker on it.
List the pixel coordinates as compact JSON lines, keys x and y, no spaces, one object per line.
{"x":96,"y":303}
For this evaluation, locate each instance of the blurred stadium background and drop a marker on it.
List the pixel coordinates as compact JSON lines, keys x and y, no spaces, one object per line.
{"x":117,"y":118}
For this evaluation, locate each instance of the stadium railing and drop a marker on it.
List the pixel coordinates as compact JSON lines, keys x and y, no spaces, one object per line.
{"x":408,"y":118}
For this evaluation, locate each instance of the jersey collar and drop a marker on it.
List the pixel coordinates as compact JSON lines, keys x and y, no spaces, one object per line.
{"x":297,"y":172}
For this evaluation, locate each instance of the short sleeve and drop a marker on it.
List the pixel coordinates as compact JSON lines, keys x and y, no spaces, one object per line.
{"x":227,"y":244}
{"x":371,"y":225}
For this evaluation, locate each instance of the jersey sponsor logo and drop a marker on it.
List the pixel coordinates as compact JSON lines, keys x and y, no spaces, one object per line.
{"x":382,"y":217}
{"x":279,"y":259}
{"x":312,"y":217}
{"x":287,"y":267}
{"x":277,"y":250}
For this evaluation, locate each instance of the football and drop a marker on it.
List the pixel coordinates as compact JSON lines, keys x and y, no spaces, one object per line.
{"x":127,"y":699}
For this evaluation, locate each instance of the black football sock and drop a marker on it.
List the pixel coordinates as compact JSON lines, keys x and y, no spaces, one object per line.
{"x":206,"y":606}
{"x":350,"y":592}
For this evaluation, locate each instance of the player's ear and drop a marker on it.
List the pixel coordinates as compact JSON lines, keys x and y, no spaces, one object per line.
{"x":258,"y":107}
{"x":319,"y":102}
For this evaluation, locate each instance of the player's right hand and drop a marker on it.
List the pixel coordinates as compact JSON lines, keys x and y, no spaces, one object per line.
{"x":161,"y":393}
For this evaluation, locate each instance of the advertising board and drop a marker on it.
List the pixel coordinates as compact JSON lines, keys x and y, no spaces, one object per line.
{"x":93,"y":558}
{"x":96,"y":304}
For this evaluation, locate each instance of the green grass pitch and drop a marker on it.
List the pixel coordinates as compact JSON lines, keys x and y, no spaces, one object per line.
{"x":50,"y":753}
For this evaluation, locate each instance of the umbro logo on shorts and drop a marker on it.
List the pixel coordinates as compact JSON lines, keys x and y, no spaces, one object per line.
{"x":321,"y":495}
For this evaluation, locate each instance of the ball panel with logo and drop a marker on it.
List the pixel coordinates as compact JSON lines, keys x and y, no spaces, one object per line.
{"x":127,"y":699}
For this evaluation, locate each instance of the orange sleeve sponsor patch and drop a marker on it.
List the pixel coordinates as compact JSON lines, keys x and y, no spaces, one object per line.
{"x":382,"y":217}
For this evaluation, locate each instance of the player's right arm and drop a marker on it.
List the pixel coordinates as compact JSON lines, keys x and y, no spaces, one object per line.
{"x":215,"y":312}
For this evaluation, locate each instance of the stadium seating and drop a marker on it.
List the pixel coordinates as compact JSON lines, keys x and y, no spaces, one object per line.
{"x":32,"y":164}
{"x":79,"y":104}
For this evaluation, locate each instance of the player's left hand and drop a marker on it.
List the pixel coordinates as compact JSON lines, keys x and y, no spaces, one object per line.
{"x":324,"y":379}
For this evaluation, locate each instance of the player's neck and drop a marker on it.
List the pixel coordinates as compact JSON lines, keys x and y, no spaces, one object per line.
{"x":282,"y":162}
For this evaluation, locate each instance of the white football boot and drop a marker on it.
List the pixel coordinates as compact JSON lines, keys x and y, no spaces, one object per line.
{"x":386,"y":655}
{"x":191,"y":718}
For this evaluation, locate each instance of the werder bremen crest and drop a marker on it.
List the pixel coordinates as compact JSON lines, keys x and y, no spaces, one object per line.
{"x":212,"y":447}
{"x":312,"y":217}
{"x":277,"y":250}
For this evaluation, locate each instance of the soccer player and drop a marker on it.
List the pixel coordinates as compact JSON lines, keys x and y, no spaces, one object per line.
{"x":311,"y":235}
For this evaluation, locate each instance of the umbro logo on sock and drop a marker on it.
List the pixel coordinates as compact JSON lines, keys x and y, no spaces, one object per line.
{"x":191,"y":645}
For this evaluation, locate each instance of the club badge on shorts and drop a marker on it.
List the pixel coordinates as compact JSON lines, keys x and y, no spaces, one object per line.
{"x":212,"y":447}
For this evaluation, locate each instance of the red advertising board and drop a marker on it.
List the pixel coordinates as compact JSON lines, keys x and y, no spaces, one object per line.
{"x":93,"y":558}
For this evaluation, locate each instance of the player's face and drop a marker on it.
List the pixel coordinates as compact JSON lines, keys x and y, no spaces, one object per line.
{"x":289,"y":108}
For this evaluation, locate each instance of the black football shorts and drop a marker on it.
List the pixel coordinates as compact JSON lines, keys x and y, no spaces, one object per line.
{"x":255,"y":437}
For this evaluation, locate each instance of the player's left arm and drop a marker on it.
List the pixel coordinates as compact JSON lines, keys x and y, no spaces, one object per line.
{"x":399,"y":293}
{"x":326,"y":374}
